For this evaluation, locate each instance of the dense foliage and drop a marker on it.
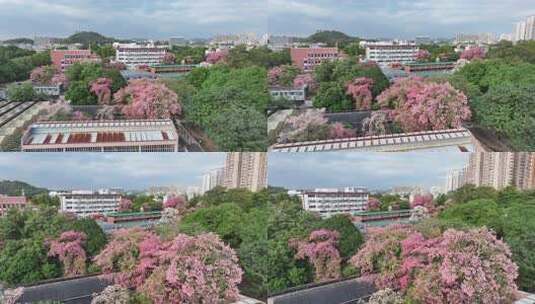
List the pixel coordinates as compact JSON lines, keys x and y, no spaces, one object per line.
{"x":82,"y":78}
{"x":17,"y":64}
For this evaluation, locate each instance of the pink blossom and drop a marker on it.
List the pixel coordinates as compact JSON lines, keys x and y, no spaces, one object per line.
{"x":169,"y":58}
{"x":305,"y":80}
{"x":69,"y":250}
{"x":79,"y":115}
{"x":217,"y":56}
{"x":360,"y":90}
{"x":339,"y":131}
{"x":144,"y":98}
{"x":125,"y":205}
{"x":423,"y":55}
{"x":176,"y":202}
{"x":473,"y":53}
{"x":373,"y":204}
{"x":102,"y":88}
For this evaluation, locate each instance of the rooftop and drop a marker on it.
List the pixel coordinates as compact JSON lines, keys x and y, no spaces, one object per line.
{"x":426,"y":140}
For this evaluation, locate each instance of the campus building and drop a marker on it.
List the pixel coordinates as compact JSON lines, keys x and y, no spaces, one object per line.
{"x":84,"y":203}
{"x":291,"y":94}
{"x":389,"y":52}
{"x":157,"y":135}
{"x":307,"y":59}
{"x":245,"y":170}
{"x":10,"y":202}
{"x":328,"y":202}
{"x":133,"y":54}
{"x":63,"y":59}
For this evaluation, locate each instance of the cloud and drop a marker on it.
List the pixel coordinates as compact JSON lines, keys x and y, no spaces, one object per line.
{"x":372,"y":170}
{"x":130,"y":170}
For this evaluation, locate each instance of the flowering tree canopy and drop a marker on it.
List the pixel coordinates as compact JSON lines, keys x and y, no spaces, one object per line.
{"x":423,"y":55}
{"x":79,"y":115}
{"x":176,"y":202}
{"x":43,"y":74}
{"x":200,"y":269}
{"x":360,"y":89}
{"x":68,"y":248}
{"x":456,"y":267}
{"x":473,"y":53}
{"x":125,"y":205}
{"x":376,"y":124}
{"x":307,"y":80}
{"x":216,"y":57}
{"x":102,"y":88}
{"x":425,"y":200}
{"x":59,"y":79}
{"x":112,"y":294}
{"x":321,"y":250}
{"x":304,"y":121}
{"x":419,"y":105}
{"x":283,"y":75}
{"x":169,"y":58}
{"x":339,"y":131}
{"x":374,"y":204}
{"x":144,"y":98}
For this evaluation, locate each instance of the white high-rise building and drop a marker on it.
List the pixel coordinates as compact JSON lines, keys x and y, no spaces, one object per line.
{"x":85,"y":203}
{"x":133,"y":54}
{"x":245,"y":170}
{"x":212,"y":179}
{"x":455,"y":180}
{"x":524,"y":30}
{"x":329,"y":202}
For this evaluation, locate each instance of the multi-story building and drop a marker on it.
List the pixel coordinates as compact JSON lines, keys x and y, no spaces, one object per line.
{"x":292,"y":94}
{"x":388,"y":52}
{"x":524,"y":30}
{"x":158,"y":135}
{"x":279,"y":43}
{"x":245,"y":170}
{"x":133,"y":54}
{"x":212,"y":179}
{"x":85,"y":203}
{"x":455,"y":180}
{"x":63,"y":59}
{"x":331,"y":201}
{"x":500,"y":170}
{"x":308,"y":58}
{"x":10,"y":202}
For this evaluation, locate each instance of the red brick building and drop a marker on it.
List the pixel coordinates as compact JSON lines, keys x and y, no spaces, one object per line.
{"x":308,"y":58}
{"x":63,"y":59}
{"x":9,"y":202}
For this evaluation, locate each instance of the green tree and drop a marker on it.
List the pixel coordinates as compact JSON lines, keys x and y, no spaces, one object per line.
{"x":96,"y":238}
{"x":21,"y":92}
{"x":350,"y":237}
{"x":43,"y":199}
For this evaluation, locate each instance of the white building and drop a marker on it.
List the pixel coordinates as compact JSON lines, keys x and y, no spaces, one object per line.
{"x":133,"y":54}
{"x":329,"y":202}
{"x":387,"y":52}
{"x":524,"y":30}
{"x":85,"y":203}
{"x":212,"y":179}
{"x":291,"y":94}
{"x":455,"y":179}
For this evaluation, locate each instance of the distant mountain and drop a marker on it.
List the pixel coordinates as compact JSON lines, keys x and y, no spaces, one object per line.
{"x":330,"y":38}
{"x":18,"y":41}
{"x":14,"y":188}
{"x":88,"y":38}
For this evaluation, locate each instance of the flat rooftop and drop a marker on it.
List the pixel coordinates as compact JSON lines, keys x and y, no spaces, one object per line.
{"x":100,"y":132}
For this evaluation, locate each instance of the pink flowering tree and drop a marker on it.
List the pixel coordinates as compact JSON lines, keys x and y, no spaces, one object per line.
{"x":283,"y":75}
{"x":43,"y":74}
{"x":216,"y":56}
{"x":274,"y":75}
{"x":169,"y":58}
{"x":60,"y":79}
{"x":339,"y":131}
{"x":79,"y":115}
{"x":425,"y":200}
{"x":125,"y":205}
{"x":176,"y":202}
{"x":455,"y":267}
{"x":147,"y":99}
{"x":419,"y":105}
{"x":423,"y":55}
{"x":199,"y":269}
{"x":102,"y":88}
{"x":374,"y":204}
{"x":68,"y":248}
{"x":473,"y":53}
{"x":305,"y":80}
{"x":360,"y":89}
{"x":306,"y":122}
{"x":321,"y":250}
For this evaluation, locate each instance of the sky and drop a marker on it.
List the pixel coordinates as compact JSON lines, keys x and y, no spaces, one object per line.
{"x":130,"y":171}
{"x":376,"y":171}
{"x":160,"y":19}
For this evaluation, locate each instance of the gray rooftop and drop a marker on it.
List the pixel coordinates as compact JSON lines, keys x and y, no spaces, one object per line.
{"x":338,"y":292}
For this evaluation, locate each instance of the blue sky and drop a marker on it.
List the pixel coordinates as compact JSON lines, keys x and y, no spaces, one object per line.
{"x":377,"y":171}
{"x":204,"y":18}
{"x":130,"y":171}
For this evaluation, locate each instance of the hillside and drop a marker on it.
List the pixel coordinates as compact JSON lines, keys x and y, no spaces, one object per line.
{"x":18,"y":41}
{"x":330,"y":38}
{"x":87,"y":38}
{"x":15,"y":188}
